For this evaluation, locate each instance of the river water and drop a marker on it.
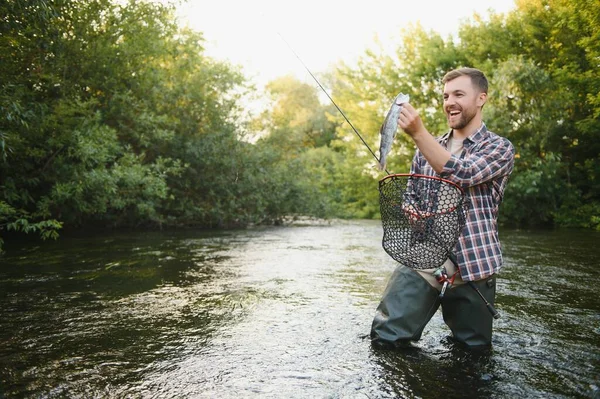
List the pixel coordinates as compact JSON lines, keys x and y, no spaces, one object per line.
{"x":282,"y":312}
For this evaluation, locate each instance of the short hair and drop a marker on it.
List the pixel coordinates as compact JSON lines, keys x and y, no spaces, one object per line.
{"x":477,"y":77}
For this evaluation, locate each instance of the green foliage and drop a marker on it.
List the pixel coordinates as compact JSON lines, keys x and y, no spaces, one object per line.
{"x":534,"y":192}
{"x":113,"y":116}
{"x":102,"y":101}
{"x":542,"y":62}
{"x":20,"y":221}
{"x":294,"y":118}
{"x":344,"y":189}
{"x":299,"y":133}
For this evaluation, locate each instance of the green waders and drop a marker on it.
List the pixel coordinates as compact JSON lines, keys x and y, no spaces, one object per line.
{"x":409,"y":302}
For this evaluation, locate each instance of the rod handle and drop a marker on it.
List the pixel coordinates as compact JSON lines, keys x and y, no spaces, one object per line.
{"x":493,"y":310}
{"x":490,"y":307}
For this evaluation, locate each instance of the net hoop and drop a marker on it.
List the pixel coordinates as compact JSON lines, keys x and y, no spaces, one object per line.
{"x":422,"y":218}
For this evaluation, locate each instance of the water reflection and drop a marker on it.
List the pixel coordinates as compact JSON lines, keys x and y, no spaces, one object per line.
{"x":448,"y":370}
{"x":281,"y":312}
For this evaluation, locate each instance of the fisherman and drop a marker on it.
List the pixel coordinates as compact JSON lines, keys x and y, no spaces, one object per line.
{"x":480,"y":162}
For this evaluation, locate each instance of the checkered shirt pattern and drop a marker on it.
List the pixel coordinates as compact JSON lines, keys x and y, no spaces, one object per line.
{"x":482,"y":170}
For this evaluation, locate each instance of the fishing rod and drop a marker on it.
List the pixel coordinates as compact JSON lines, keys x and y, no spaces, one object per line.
{"x":330,"y":99}
{"x":489,"y":306}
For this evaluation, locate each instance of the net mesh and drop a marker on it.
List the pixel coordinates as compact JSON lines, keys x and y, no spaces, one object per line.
{"x":422,"y":218}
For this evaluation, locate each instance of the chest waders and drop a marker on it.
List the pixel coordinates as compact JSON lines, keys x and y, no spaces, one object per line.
{"x":409,"y":302}
{"x":423,"y":218}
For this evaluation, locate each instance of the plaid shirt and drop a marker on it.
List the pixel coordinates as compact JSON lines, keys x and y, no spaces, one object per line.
{"x":482,"y":170}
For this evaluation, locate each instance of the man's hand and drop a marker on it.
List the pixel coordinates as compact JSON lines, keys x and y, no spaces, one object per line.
{"x":410,"y":121}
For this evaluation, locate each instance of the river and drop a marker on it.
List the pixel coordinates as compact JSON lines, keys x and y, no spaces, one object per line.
{"x":281,"y":312}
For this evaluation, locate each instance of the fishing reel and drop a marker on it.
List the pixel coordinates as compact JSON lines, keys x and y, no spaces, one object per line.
{"x":441,"y":276}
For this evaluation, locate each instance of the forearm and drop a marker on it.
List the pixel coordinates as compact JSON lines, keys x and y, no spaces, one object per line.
{"x":434,"y":153}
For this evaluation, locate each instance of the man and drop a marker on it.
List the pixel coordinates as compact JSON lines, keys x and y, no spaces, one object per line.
{"x":480,"y":162}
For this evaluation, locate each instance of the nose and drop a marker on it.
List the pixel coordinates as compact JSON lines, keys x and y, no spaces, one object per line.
{"x":448,"y":102}
{"x":451,"y":102}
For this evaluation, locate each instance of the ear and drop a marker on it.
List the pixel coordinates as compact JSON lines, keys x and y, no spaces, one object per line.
{"x":481,"y":99}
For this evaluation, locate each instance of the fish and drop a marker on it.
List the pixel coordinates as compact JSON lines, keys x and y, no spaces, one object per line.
{"x":389,"y":128}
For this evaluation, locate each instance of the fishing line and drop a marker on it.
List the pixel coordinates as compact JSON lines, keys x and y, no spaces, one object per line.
{"x":331,"y":99}
{"x":400,"y":240}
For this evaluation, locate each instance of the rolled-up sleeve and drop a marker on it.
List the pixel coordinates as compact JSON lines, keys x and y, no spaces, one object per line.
{"x":495,"y":158}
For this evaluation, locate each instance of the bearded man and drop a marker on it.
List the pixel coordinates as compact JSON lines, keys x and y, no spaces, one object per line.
{"x":480,"y":162}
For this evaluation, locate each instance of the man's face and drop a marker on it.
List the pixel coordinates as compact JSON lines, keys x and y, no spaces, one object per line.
{"x":462,"y":101}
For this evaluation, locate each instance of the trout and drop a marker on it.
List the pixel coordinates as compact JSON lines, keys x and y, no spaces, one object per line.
{"x":389,"y":127}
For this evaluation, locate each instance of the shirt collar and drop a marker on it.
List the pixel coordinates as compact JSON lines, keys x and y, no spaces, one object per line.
{"x":479,"y":134}
{"x":474,"y":138}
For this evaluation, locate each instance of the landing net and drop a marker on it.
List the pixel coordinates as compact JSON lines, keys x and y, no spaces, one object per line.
{"x":422,"y":218}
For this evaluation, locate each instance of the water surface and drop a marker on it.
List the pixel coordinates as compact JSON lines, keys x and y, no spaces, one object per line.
{"x":281,"y":312}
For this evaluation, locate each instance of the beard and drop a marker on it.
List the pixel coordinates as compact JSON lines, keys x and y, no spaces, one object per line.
{"x":466,"y":116}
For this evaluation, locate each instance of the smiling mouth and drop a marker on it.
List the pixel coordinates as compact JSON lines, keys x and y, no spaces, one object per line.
{"x":453,"y":113}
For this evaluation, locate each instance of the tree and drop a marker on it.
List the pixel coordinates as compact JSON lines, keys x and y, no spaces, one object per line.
{"x":103,"y":99}
{"x":541,"y":60}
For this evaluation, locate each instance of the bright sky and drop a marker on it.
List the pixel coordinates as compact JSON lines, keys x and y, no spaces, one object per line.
{"x":246,"y":32}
